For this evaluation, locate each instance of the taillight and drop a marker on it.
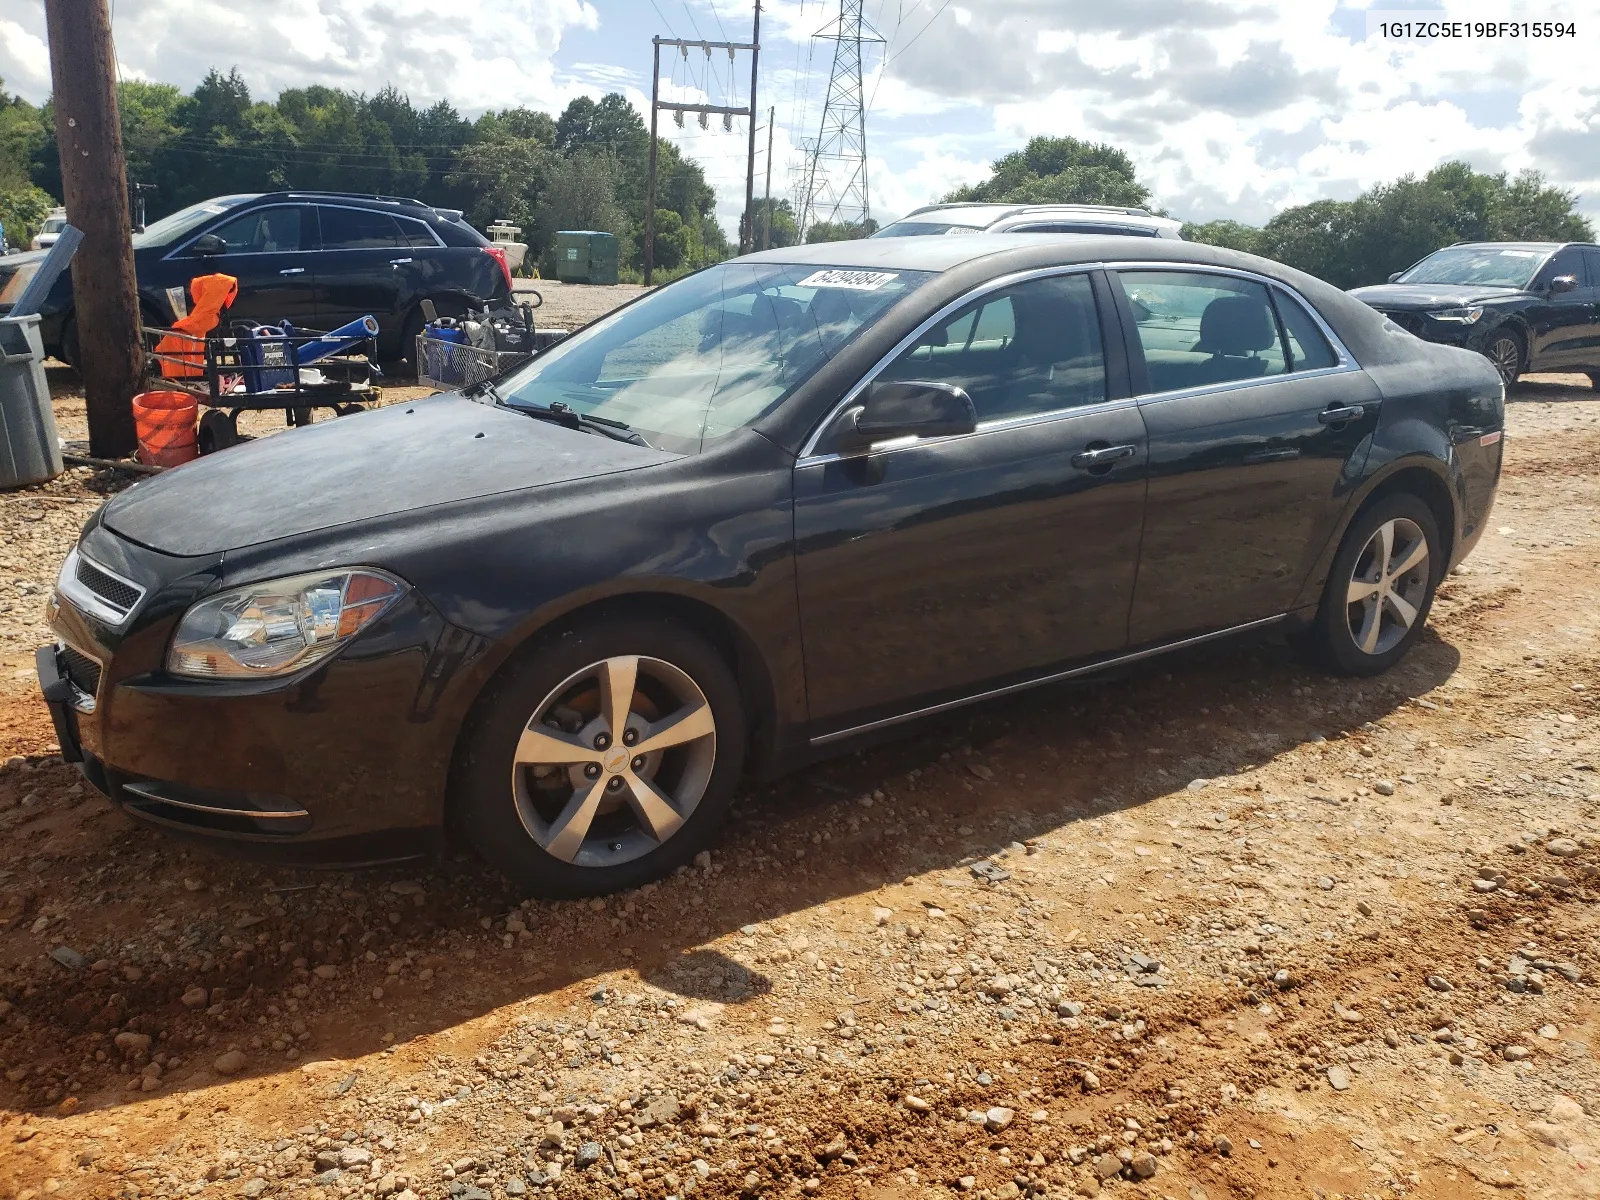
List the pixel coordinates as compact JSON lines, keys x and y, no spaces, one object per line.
{"x":499,"y":256}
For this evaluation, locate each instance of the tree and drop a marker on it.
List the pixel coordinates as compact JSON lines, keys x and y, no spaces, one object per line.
{"x":840,"y":231}
{"x":1060,"y":170}
{"x":581,"y":193}
{"x":785,"y":229}
{"x":503,"y":175}
{"x":1232,"y":234}
{"x":23,"y":132}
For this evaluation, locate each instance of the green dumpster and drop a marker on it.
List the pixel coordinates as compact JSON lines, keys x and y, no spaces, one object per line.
{"x":586,"y":256}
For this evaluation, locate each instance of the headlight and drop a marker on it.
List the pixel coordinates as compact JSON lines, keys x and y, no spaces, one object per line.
{"x":280,"y":626}
{"x":1458,"y":316}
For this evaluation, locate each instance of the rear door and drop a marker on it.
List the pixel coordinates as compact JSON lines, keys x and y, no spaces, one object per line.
{"x":270,"y":252}
{"x":1257,"y":420}
{"x":363,"y":268}
{"x":1587,"y":357}
{"x":1561,"y":322}
{"x":925,"y":568}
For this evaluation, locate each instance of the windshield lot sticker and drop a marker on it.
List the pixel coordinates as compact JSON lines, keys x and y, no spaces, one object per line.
{"x":855,"y":281}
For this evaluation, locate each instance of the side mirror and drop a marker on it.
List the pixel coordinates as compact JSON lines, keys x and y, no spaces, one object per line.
{"x":1563,"y":283}
{"x":1395,"y":276}
{"x":915,"y":408}
{"x":208,"y":243}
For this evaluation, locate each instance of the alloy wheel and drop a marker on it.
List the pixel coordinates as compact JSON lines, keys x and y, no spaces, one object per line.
{"x":1506,"y":356}
{"x":1388,"y":586}
{"x":614,"y":761}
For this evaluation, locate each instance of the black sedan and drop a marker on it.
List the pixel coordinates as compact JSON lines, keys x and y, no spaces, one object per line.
{"x":1525,"y":306}
{"x":759,"y":515}
{"x":315,"y":259}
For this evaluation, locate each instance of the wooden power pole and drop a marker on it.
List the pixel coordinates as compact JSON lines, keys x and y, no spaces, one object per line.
{"x":83,"y":72}
{"x":747,"y":236}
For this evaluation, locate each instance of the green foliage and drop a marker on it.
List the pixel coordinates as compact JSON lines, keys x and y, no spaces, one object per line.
{"x":1064,"y":170}
{"x":785,"y":230}
{"x":1387,"y":228}
{"x":840,"y":231}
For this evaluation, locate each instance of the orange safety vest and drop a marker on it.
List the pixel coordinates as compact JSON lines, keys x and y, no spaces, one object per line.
{"x":211,"y":294}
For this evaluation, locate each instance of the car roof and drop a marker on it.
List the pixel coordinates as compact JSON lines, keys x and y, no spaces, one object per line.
{"x":939,"y":252}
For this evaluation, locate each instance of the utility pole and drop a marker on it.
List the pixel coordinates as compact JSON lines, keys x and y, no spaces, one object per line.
{"x":766,"y":205}
{"x":650,"y":188}
{"x":726,"y":112}
{"x":83,"y":72}
{"x":747,"y":242}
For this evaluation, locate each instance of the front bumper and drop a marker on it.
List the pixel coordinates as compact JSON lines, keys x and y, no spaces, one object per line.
{"x":343,"y":765}
{"x":1445,"y":333}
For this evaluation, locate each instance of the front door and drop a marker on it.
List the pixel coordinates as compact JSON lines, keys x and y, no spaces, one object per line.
{"x":1561,"y":322}
{"x":1257,"y":427}
{"x":932,"y":566}
{"x":363,"y":268}
{"x":268,"y":251}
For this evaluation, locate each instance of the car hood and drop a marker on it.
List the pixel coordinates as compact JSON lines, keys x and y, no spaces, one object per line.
{"x":405,"y":457}
{"x":1423,"y":296}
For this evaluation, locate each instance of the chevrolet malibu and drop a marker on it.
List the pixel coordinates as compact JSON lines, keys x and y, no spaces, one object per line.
{"x":762,"y":514}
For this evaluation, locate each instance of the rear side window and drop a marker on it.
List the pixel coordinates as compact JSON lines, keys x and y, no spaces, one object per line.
{"x":1308,"y":348}
{"x":417,"y":233}
{"x":1024,"y":350}
{"x":265,"y":231}
{"x":1198,"y":329}
{"x":1591,"y":261}
{"x":358,"y":229}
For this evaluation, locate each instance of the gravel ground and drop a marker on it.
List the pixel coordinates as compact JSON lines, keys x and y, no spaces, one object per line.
{"x":1221,"y":927}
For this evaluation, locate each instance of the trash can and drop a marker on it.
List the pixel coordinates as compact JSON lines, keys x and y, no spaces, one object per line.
{"x":30,"y":452}
{"x":586,"y":256}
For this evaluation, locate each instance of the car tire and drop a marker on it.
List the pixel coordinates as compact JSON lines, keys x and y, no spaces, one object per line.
{"x":542,"y":793}
{"x":1361,"y":627}
{"x":1506,"y":350}
{"x":217,"y":430}
{"x":68,"y":351}
{"x":1594,"y":380}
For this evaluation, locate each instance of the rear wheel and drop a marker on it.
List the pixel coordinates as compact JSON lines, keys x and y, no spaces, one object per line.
{"x":1380,"y":588}
{"x":602,"y":760}
{"x":1594,"y":378}
{"x":1505,"y":350}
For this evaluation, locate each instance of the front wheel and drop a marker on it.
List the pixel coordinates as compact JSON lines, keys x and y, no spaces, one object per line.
{"x":1504,"y":350}
{"x":1380,"y":588}
{"x":603,"y":759}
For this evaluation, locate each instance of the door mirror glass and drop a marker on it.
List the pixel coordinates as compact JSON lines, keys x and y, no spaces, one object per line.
{"x":909,"y":408}
{"x":208,"y":243}
{"x":1563,"y":283}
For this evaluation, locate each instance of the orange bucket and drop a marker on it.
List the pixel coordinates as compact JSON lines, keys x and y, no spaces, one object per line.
{"x":164,"y":422}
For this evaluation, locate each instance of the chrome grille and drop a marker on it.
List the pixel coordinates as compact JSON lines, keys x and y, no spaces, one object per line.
{"x":118,"y":593}
{"x":82,"y":670}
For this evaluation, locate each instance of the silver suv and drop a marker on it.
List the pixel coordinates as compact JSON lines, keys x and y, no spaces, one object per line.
{"x":1031,"y":218}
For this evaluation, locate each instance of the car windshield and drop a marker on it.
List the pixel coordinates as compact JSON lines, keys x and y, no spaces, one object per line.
{"x":712,"y":352}
{"x":175,"y":225}
{"x":53,"y":225}
{"x":919,"y":228}
{"x":1488,"y":266}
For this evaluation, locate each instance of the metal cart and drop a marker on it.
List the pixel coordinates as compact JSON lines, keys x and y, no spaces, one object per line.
{"x":448,"y":365}
{"x":247,"y":370}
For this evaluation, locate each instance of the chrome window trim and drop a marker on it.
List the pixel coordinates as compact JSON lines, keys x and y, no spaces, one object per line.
{"x":1054,"y":677}
{"x":808,"y":453}
{"x":70,"y":588}
{"x":178,"y":253}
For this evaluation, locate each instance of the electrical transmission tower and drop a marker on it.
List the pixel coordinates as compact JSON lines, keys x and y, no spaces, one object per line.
{"x":834,"y":184}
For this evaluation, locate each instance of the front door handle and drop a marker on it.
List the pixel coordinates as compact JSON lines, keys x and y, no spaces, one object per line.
{"x":395,"y":262}
{"x":1340,"y":416}
{"x":292,"y":271}
{"x":1102,"y":456}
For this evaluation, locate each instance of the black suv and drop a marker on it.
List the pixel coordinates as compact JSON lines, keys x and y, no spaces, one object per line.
{"x":1526,"y":306}
{"x":316,"y":259}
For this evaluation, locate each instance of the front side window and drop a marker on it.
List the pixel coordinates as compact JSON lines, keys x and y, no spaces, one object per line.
{"x":712,"y":352}
{"x":358,"y":229}
{"x":1198,"y":329}
{"x":1564,"y":262}
{"x":1023,"y":350}
{"x":266,"y":231}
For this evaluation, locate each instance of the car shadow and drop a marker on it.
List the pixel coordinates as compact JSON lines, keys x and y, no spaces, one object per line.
{"x":1544,"y":389}
{"x":259,"y":949}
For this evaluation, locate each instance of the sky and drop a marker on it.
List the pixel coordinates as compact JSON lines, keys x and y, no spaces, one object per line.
{"x":1229,"y":108}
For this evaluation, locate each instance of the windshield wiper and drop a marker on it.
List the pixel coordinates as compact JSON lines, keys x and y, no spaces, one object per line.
{"x":565,"y":414}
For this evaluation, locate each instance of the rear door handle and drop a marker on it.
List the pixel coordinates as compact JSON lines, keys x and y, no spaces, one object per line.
{"x":395,"y":262}
{"x":292,"y":271}
{"x":1339,"y":416}
{"x":1102,"y":456}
